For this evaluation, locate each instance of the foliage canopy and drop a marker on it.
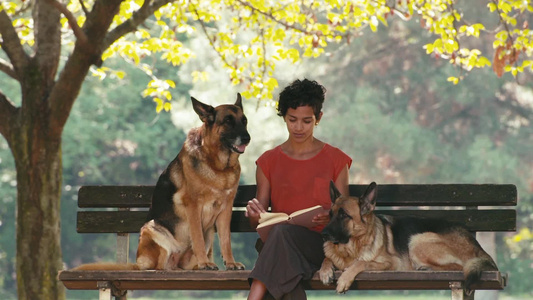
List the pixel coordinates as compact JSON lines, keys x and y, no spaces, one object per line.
{"x":251,"y":37}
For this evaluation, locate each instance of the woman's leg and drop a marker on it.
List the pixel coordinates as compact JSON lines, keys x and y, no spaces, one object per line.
{"x":292,"y":253}
{"x":257,"y":290}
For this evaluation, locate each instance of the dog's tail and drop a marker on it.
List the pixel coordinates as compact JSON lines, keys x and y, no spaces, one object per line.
{"x":475,"y":266}
{"x":107,"y":267}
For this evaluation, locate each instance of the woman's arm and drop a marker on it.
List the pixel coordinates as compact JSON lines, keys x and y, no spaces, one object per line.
{"x":343,"y":181}
{"x":262,"y":198}
{"x":342,"y":184}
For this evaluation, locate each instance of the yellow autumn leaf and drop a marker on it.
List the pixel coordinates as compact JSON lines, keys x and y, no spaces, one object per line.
{"x":170,"y":83}
{"x":120,"y":74}
{"x":455,"y":80}
{"x":159,"y":104}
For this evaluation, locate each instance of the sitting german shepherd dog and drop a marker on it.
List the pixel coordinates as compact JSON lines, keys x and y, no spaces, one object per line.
{"x":357,"y":240}
{"x":194,"y":195}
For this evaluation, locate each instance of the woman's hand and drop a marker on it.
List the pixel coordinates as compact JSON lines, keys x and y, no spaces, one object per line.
{"x":321,"y":219}
{"x":254,"y":209}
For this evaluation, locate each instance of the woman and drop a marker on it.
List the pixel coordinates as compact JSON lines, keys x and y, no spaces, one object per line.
{"x":295,"y":175}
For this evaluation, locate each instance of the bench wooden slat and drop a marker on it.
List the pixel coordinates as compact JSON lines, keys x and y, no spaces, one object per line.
{"x":136,"y":196}
{"x":238,"y":280}
{"x":388,"y":195}
{"x":132,"y":221}
{"x":115,"y":196}
{"x":443,"y":194}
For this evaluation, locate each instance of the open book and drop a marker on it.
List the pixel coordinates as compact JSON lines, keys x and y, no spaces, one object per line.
{"x":303,"y":217}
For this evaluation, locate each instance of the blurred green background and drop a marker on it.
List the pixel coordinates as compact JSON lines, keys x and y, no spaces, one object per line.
{"x":388,"y":106}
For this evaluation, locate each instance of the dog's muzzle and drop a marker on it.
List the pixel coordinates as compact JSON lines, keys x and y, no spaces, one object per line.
{"x":239,"y":149}
{"x":240,"y":144}
{"x":329,"y":235}
{"x":326,"y":237}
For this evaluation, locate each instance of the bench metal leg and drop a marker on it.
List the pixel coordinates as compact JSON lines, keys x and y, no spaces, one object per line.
{"x":104,"y":290}
{"x":458,"y":293}
{"x":457,"y":290}
{"x":123,"y":247}
{"x":123,"y":250}
{"x":107,"y":290}
{"x":123,"y":244}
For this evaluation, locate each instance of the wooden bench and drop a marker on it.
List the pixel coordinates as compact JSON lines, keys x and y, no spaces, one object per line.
{"x":481,"y":207}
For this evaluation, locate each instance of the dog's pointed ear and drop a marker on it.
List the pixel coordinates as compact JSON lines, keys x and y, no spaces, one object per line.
{"x":205,"y":112}
{"x":367,"y":202}
{"x":333,"y":191}
{"x":239,"y":100}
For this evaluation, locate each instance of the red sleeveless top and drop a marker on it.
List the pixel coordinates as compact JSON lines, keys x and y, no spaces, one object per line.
{"x":299,"y":184}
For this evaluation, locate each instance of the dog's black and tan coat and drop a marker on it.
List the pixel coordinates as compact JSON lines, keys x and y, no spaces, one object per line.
{"x":356,"y":240}
{"x":194,"y":195}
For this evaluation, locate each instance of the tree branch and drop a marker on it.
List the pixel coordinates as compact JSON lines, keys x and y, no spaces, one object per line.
{"x":11,"y":44}
{"x":147,"y":9}
{"x":83,"y":7}
{"x":47,"y":40}
{"x":7,"y":113}
{"x":78,"y":33}
{"x":7,"y":68}
{"x":280,"y":22}
{"x":270,"y":16}
{"x":211,"y":40}
{"x":71,"y":78}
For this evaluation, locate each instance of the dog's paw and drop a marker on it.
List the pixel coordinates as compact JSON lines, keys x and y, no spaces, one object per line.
{"x":207,"y":266}
{"x":344,"y":282}
{"x":327,"y":275}
{"x":234,"y":266}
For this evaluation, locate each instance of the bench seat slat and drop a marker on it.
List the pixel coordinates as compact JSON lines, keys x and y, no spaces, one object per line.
{"x":132,"y":221}
{"x":389,"y":195}
{"x":238,"y":280}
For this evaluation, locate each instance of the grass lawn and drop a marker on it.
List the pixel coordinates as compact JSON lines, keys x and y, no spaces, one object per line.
{"x":328,"y":295}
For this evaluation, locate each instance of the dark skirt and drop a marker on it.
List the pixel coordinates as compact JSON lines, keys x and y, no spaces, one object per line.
{"x":292,"y":253}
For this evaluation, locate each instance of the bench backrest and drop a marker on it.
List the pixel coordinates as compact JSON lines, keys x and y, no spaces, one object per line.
{"x":481,"y":207}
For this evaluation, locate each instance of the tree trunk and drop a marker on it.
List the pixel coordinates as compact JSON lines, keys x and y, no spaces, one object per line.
{"x":33,"y":129}
{"x":39,"y":174}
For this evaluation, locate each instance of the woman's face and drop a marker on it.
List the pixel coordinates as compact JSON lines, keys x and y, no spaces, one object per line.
{"x":300,"y":123}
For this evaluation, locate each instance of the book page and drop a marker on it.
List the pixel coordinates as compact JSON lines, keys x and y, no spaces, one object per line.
{"x":302,"y":217}
{"x":303,"y":211}
{"x":268,"y":218}
{"x":305,"y":217}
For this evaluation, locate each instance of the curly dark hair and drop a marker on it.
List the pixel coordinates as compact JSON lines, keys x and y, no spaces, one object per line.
{"x":302,"y":93}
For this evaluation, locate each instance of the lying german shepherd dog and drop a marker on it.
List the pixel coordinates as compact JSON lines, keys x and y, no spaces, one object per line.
{"x":194,"y":195}
{"x":357,"y":240}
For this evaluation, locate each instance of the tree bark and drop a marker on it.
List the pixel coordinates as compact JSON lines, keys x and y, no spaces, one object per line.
{"x":36,"y":149}
{"x":39,"y":174}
